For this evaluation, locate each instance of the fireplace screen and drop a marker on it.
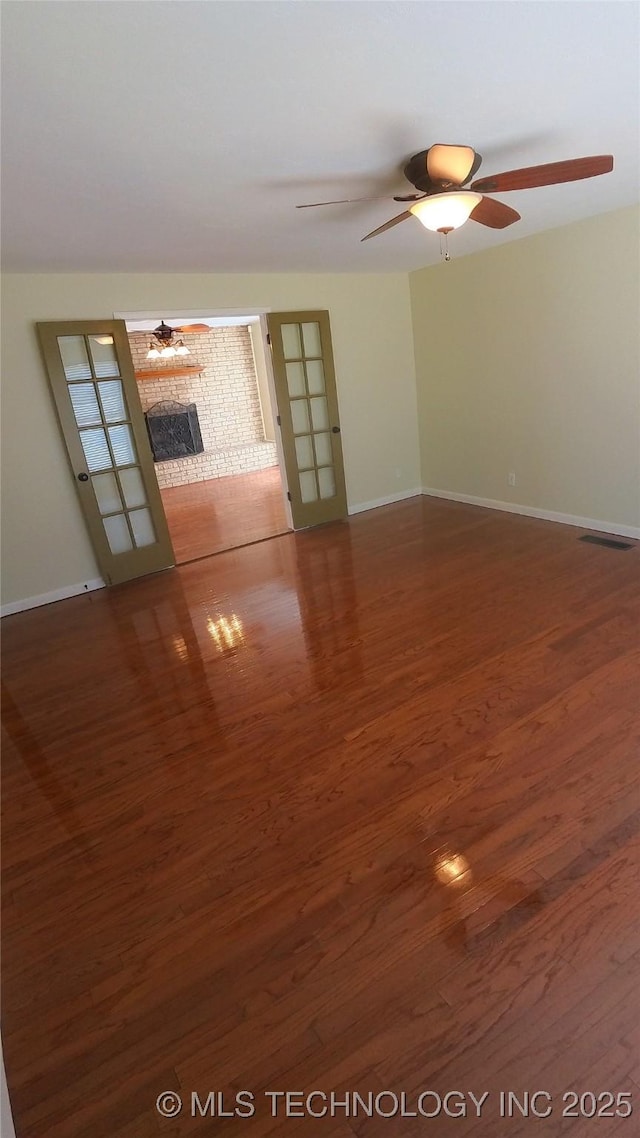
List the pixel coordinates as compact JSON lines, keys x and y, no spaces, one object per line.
{"x":174,"y":430}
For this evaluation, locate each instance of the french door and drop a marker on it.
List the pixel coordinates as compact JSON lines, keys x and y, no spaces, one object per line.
{"x":307,"y":401}
{"x":94,"y":388}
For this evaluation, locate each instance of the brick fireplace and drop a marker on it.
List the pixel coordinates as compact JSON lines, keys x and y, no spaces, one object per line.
{"x":226,"y":398}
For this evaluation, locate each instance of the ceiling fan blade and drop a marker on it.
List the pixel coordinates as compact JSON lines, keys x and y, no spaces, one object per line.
{"x":388,"y":225}
{"x":450,"y":163}
{"x":343,"y":201}
{"x":193,"y":328}
{"x":574,"y":170}
{"x":495,"y":214}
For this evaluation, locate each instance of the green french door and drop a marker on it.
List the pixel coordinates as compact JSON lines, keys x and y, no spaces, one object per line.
{"x":96,"y":396}
{"x":307,"y":401}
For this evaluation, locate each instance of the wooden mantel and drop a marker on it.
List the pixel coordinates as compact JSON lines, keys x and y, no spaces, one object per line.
{"x":159,"y":372}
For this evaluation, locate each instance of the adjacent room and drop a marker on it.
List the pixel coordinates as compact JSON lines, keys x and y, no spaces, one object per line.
{"x":208,"y":413}
{"x":320,"y":569}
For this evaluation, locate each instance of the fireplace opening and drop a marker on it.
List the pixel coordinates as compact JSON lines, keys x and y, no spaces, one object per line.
{"x":174,"y":430}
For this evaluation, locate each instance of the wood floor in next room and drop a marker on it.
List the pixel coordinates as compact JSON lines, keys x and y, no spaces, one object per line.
{"x":354,"y":810}
{"x":223,"y":513}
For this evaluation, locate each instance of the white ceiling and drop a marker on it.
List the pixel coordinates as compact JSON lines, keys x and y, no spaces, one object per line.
{"x":179,"y":135}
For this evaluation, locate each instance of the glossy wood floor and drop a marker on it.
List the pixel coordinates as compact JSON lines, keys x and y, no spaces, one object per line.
{"x":352,"y":810}
{"x":224,"y":513}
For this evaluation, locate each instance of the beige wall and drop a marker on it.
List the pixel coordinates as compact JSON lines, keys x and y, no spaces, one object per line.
{"x":45,"y":547}
{"x":527,"y":360}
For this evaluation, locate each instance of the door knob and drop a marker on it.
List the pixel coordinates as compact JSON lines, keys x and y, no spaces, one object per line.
{"x":335,"y":430}
{"x":83,"y":478}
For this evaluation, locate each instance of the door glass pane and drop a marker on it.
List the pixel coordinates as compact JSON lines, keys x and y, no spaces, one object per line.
{"x":96,"y":450}
{"x":308,"y":491}
{"x":315,"y":377}
{"x":326,"y":482}
{"x":300,"y":417}
{"x":324,"y":454}
{"x":295,"y":379}
{"x":311,"y":339}
{"x":122,"y":444}
{"x":105,"y":361}
{"x":107,"y":493}
{"x":75,"y":360}
{"x":132,"y":487}
{"x":291,"y":341}
{"x":112,"y":398}
{"x":319,"y":414}
{"x":117,"y":532}
{"x":142,"y":526}
{"x":304,"y":452}
{"x":85,"y":404}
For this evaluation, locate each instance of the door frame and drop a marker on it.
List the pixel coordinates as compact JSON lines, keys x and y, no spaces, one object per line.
{"x":258,"y":315}
{"x":271,"y":387}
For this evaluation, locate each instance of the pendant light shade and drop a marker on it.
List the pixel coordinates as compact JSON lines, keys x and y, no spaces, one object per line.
{"x":445,"y":211}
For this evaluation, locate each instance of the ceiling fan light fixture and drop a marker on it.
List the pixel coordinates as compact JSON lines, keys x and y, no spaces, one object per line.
{"x":181,"y":350}
{"x":445,"y":211}
{"x":153,"y":352}
{"x":166,"y":353}
{"x":450,"y":163}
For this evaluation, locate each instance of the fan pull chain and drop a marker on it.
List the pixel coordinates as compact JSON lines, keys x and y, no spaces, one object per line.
{"x":444,"y":245}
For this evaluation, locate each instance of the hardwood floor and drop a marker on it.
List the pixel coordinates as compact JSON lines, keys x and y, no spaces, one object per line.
{"x":352,"y":811}
{"x":224,"y":513}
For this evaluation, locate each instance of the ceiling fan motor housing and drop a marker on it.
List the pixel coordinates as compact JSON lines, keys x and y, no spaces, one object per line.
{"x":163,"y":332}
{"x":442,"y":167}
{"x":416,"y":172}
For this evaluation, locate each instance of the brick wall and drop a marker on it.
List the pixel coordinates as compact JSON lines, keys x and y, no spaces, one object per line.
{"x":227,"y":400}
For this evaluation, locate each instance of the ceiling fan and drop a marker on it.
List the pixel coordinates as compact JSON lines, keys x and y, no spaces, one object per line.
{"x":445,"y":202}
{"x":164,"y":332}
{"x":165,"y":340}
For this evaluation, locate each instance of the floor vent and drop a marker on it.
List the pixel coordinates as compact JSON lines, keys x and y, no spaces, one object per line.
{"x":608,"y":541}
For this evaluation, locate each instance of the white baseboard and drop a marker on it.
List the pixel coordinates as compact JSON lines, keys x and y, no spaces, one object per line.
{"x":471,"y":499}
{"x":49,"y":598}
{"x":387,"y":501}
{"x":533,"y":512}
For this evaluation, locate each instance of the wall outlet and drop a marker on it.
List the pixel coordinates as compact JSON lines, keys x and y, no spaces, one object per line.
{"x":511,"y":478}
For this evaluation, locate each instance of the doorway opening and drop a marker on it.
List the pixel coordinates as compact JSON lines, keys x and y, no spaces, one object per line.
{"x":211,"y":424}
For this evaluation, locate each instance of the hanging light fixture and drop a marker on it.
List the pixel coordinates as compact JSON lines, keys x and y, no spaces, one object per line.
{"x":442,"y":212}
{"x":164,"y":345}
